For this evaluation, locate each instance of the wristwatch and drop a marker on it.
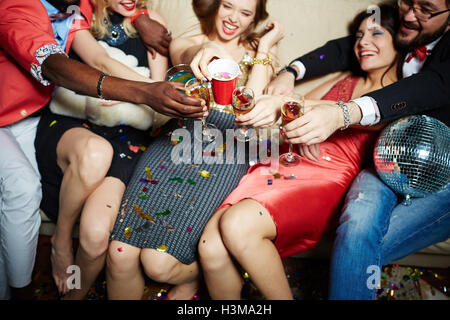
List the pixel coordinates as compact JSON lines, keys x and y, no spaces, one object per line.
{"x":290,"y":70}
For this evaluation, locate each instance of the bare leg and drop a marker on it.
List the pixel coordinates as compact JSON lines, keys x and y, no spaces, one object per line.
{"x":164,"y":268}
{"x":97,"y":221}
{"x":84,"y":158}
{"x":247,"y":231}
{"x":124,"y":277}
{"x":222,"y":278}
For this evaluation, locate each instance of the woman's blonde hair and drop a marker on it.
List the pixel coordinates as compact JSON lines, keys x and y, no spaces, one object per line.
{"x":206,"y":12}
{"x":100,"y":20}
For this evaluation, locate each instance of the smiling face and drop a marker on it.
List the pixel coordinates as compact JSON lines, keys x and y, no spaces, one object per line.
{"x":234,"y":17}
{"x":414,"y":33}
{"x":374,"y":47}
{"x":126,"y":8}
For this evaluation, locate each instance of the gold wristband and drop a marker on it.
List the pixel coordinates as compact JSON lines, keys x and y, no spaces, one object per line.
{"x":266,"y":61}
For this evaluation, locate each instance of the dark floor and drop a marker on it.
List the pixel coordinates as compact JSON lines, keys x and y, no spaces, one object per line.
{"x":308,"y":279}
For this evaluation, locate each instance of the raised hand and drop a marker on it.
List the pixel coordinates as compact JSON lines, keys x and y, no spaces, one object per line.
{"x":209,"y":51}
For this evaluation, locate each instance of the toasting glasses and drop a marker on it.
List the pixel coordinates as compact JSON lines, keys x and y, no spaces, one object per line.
{"x":291,"y":110}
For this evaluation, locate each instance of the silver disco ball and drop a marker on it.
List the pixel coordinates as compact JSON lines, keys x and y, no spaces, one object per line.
{"x":412,"y":156}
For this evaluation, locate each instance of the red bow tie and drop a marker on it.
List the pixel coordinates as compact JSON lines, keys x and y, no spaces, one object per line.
{"x":421,"y":53}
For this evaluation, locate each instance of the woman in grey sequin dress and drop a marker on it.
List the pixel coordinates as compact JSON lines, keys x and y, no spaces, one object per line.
{"x":167,"y":205}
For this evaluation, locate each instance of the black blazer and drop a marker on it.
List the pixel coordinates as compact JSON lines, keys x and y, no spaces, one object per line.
{"x":427,"y":92}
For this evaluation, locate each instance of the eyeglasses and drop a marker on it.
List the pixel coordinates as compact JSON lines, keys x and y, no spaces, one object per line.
{"x":421,"y":13}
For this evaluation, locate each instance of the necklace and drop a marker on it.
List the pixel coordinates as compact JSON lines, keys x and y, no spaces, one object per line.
{"x":118,"y":35}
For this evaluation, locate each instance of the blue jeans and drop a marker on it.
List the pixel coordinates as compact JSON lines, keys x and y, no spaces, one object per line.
{"x":376,"y":228}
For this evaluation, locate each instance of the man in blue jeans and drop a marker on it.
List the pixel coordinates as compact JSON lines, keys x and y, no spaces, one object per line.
{"x":376,"y":228}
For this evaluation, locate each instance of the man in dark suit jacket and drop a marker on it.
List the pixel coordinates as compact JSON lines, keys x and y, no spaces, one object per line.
{"x":374,"y":228}
{"x":427,"y":91}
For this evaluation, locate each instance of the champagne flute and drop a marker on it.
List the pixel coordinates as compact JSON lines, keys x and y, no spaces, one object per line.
{"x":290,"y":111}
{"x":243,"y":101}
{"x":200,"y":89}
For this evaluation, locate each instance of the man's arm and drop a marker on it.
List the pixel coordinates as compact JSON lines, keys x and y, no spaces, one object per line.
{"x":335,"y":55}
{"x":153,"y":34}
{"x":163,"y":97}
{"x":424,"y":92}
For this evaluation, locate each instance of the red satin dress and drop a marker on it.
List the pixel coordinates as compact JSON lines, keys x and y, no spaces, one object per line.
{"x":305,"y":208}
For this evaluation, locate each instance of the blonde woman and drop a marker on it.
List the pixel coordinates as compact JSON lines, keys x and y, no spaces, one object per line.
{"x":112,"y":24}
{"x":68,"y":191}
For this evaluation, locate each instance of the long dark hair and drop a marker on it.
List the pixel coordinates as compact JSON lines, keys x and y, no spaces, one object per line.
{"x":389,"y":20}
{"x":206,"y":12}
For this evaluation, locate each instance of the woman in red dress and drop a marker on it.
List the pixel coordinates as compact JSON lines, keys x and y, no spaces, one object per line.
{"x":260,"y":222}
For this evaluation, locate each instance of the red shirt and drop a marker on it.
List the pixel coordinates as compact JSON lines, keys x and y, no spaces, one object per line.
{"x":26,"y":39}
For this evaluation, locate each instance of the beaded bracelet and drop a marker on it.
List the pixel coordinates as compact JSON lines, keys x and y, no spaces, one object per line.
{"x":99,"y":86}
{"x":346,"y":114}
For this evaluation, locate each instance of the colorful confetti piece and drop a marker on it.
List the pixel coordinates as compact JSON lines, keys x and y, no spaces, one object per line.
{"x":179,"y":180}
{"x":147,"y":217}
{"x":205,"y":174}
{"x":164,"y":213}
{"x":162,"y":248}
{"x":127,"y":232}
{"x":53,"y":123}
{"x":137,"y":209}
{"x":149,"y":175}
{"x":143,"y":196}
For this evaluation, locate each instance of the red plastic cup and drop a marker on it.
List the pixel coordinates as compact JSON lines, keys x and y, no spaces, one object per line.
{"x":224,"y":74}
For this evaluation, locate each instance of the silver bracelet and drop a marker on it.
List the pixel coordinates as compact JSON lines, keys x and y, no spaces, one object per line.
{"x":346,"y":114}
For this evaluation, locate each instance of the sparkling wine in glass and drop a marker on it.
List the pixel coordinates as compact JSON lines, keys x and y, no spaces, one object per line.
{"x":243,"y":101}
{"x":200,"y":89}
{"x":290,"y":111}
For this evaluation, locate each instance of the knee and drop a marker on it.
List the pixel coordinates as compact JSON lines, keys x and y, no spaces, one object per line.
{"x":95,"y":160}
{"x":158,"y":268}
{"x":235,"y":229}
{"x":119,"y":262}
{"x":94,"y":240}
{"x":212,"y":252}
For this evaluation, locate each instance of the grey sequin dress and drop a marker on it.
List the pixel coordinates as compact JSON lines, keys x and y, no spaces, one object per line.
{"x":166,"y":206}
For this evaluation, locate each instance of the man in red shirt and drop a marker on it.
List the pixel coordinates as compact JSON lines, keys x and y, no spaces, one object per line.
{"x":33,"y":59}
